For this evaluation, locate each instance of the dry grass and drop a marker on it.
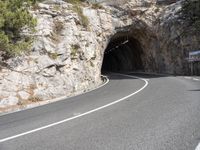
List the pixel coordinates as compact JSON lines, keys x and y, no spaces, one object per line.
{"x":84,"y":20}
{"x":53,"y":56}
{"x":31,"y":88}
{"x":34,"y":99}
{"x":97,"y":6}
{"x":77,"y":2}
{"x":74,"y":50}
{"x":58,"y":27}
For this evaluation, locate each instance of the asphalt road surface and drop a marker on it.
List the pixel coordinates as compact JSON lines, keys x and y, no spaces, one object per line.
{"x":158,"y":113}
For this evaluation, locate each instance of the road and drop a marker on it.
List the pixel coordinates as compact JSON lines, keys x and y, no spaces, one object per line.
{"x":158,"y":113}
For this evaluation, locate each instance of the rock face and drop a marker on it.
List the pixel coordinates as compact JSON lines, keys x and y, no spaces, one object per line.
{"x":65,"y":60}
{"x":67,"y":53}
{"x":164,"y":37}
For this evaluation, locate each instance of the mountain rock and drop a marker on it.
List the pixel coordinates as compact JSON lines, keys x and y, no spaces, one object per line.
{"x":68,"y":49}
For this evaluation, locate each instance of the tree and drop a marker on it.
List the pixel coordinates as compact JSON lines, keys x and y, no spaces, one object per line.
{"x":14,"y":16}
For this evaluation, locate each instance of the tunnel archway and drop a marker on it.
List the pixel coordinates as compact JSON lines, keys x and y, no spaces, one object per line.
{"x":123,"y":53}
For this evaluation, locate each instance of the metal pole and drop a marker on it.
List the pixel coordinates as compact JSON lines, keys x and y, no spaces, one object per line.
{"x":192,"y":69}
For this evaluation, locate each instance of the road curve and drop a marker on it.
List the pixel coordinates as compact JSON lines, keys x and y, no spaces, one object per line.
{"x":165,"y":115}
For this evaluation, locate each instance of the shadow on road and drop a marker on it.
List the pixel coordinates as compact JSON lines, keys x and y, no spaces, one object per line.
{"x":114,"y":76}
{"x":197,"y":90}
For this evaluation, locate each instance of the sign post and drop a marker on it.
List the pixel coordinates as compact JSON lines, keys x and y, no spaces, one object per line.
{"x":194,"y":57}
{"x":191,"y":69}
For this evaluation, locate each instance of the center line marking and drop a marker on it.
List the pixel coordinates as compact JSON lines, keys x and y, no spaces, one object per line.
{"x":195,"y":79}
{"x":80,"y":115}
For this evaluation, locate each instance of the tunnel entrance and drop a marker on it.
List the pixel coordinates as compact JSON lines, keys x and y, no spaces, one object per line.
{"x":123,"y":53}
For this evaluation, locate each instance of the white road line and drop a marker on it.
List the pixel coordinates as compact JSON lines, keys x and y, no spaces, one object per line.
{"x":198,"y":147}
{"x":79,"y":115}
{"x":195,"y":79}
{"x":187,"y":77}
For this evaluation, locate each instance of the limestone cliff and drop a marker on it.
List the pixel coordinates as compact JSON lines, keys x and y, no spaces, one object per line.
{"x":69,"y":46}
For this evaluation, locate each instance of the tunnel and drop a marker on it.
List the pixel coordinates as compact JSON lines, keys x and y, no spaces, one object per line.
{"x":123,"y":53}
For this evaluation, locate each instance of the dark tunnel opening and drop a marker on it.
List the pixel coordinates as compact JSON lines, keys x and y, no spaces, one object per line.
{"x":123,"y":54}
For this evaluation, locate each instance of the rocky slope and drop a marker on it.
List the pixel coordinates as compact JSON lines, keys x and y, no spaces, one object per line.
{"x":68,"y":49}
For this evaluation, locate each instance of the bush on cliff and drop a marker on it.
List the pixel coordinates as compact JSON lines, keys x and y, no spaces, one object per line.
{"x":14,"y":16}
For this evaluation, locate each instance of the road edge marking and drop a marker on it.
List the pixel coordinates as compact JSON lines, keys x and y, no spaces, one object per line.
{"x":80,"y":115}
{"x":191,"y":78}
{"x":195,"y":79}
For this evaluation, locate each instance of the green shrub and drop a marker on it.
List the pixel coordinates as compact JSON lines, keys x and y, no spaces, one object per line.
{"x":97,"y":6}
{"x":74,"y":50}
{"x":75,"y":1}
{"x":14,"y":16}
{"x":77,"y":8}
{"x":53,"y":56}
{"x":84,"y":20}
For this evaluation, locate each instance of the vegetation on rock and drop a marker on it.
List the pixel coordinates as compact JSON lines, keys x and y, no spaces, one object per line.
{"x":84,"y":20}
{"x":74,"y":50}
{"x":14,"y":16}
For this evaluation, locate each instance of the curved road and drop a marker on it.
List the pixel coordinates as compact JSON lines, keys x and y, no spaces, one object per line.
{"x":125,"y":114}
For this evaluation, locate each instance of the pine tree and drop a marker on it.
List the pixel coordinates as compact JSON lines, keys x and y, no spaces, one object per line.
{"x":14,"y":15}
